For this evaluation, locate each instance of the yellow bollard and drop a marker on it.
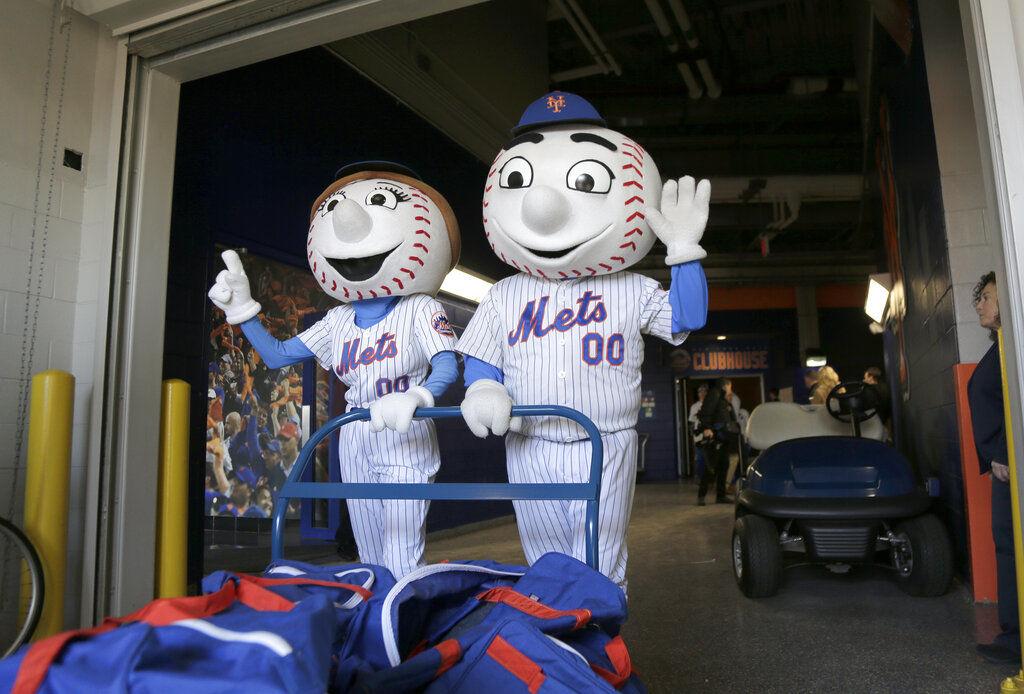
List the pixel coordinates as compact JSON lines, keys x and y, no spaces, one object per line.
{"x":46,"y":487}
{"x":1015,"y":683}
{"x":172,"y":501}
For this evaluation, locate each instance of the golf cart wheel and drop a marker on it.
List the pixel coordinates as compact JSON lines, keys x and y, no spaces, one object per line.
{"x":756,"y":556}
{"x":923,"y":558}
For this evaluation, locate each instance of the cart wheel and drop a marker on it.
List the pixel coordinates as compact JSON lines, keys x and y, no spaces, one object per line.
{"x":756,"y":556}
{"x":923,"y":557}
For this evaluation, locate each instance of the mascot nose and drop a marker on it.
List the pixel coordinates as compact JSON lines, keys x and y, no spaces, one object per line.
{"x":545,"y":210}
{"x":351,"y":222}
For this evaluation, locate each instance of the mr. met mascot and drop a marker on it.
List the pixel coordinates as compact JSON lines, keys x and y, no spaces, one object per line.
{"x":572,"y":205}
{"x":380,"y":241}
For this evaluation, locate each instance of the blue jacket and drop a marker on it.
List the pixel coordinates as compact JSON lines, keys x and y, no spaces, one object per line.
{"x":985,"y":397}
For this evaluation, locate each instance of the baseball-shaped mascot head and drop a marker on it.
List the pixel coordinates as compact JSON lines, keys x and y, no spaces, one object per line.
{"x":380,"y":231}
{"x":565,"y":197}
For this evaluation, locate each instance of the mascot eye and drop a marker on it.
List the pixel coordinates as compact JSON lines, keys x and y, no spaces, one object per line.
{"x":330,"y":203}
{"x":516,"y":173}
{"x":382,"y":198}
{"x":589,"y":176}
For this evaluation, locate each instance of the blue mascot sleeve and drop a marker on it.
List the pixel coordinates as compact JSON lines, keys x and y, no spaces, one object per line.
{"x":688,"y":296}
{"x":444,"y":369}
{"x":275,"y":353}
{"x":477,"y":369}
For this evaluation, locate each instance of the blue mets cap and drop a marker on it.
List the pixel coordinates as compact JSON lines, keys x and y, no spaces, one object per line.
{"x":556,"y":108}
{"x":383,"y":166}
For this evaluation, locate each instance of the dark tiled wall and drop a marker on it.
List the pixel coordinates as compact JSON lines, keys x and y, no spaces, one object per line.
{"x":929,"y":434}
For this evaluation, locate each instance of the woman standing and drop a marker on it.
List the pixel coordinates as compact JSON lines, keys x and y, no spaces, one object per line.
{"x":985,"y":396}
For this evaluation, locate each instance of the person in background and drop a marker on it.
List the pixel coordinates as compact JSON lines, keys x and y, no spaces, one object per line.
{"x":773,"y":395}
{"x":731,"y":397}
{"x":716,"y":418}
{"x":696,"y":432}
{"x":826,"y":380}
{"x":873,"y":377}
{"x":985,"y":399}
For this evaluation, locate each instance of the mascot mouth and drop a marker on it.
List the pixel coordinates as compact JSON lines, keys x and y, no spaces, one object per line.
{"x":553,"y":255}
{"x":359,"y":269}
{"x":564,"y":252}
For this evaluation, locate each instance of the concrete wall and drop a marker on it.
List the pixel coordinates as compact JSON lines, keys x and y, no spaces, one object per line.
{"x":971,"y":233}
{"x":65,"y":288}
{"x":444,"y":68}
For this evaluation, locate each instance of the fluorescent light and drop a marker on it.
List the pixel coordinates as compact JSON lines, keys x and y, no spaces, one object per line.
{"x":721,"y":337}
{"x":878,"y":296}
{"x":816,"y":361}
{"x":466,"y":284}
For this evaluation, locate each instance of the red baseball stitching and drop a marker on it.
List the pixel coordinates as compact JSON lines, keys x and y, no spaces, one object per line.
{"x":416,"y":259}
{"x":633,"y":216}
{"x":417,"y":195}
{"x":605,"y":266}
{"x":314,"y":266}
{"x":630,"y":244}
{"x":636,"y":184}
{"x":635,"y":198}
{"x":334,"y":285}
{"x":385,"y":288}
{"x":420,"y":245}
{"x":398,"y":282}
{"x":409,"y":272}
{"x":423,"y":232}
{"x":422,"y":219}
{"x":634,"y":167}
{"x":592,"y":270}
{"x":619,"y":258}
{"x":323,"y":278}
{"x":360,"y":295}
{"x":565,"y":276}
{"x":634,"y":230}
{"x":636,"y":158}
{"x":420,"y":207}
{"x":346,"y":291}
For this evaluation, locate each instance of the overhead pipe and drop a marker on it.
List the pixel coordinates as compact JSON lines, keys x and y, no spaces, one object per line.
{"x":601,"y":47}
{"x":683,"y":20}
{"x":693,"y":88}
{"x":661,"y":21}
{"x":581,"y":34}
{"x":695,"y":91}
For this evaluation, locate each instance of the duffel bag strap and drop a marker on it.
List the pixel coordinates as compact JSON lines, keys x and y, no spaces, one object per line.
{"x":619,"y":657}
{"x":41,"y":654}
{"x":517,"y":663}
{"x":299,"y":581}
{"x":534,"y":608}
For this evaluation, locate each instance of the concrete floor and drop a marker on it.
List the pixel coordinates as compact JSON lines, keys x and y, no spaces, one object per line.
{"x":691,"y":630}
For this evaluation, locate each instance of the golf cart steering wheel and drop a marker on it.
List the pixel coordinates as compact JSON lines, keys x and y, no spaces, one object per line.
{"x":852,"y":402}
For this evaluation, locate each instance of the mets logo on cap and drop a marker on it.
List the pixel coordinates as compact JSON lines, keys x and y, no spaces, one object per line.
{"x":442,"y":326}
{"x":557,"y":108}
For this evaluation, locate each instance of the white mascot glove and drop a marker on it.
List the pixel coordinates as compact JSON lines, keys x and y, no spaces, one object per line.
{"x":394,"y":410}
{"x":680,"y":222}
{"x":231,"y":292}
{"x":488,"y":406}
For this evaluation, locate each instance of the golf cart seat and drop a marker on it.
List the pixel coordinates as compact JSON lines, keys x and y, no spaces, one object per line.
{"x":774,"y":422}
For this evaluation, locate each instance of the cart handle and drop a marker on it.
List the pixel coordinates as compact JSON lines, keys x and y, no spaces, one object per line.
{"x":589,"y":491}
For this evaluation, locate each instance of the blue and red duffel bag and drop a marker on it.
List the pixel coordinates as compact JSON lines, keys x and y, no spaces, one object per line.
{"x":241,"y":637}
{"x":516,"y":636}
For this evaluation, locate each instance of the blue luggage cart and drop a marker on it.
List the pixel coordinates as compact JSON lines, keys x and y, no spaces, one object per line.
{"x":589,"y":491}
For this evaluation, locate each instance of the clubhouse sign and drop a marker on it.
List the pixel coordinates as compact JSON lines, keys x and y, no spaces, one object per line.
{"x":720,"y":358}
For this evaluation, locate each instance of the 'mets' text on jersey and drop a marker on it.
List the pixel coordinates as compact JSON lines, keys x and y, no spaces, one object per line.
{"x":387,"y":357}
{"x":577,"y":343}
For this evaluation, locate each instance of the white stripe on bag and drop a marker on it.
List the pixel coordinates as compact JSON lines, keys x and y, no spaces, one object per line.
{"x":267,"y":639}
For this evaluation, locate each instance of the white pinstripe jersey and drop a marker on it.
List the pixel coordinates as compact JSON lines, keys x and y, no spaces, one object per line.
{"x":571,"y":342}
{"x":387,"y":357}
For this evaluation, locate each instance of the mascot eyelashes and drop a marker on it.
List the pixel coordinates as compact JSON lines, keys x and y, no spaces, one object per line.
{"x":380,"y":241}
{"x":572,"y":205}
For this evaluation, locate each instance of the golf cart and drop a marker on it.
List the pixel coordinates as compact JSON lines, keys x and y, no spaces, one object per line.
{"x":818,"y":494}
